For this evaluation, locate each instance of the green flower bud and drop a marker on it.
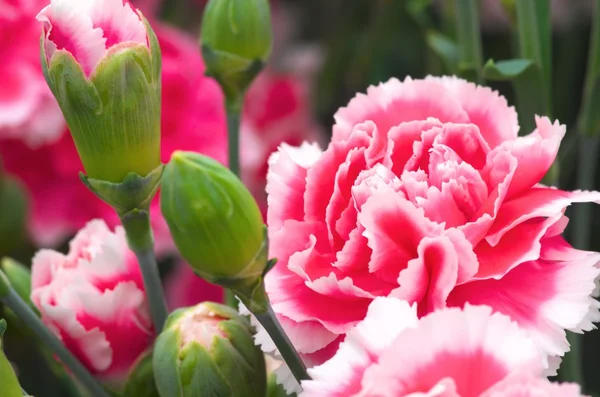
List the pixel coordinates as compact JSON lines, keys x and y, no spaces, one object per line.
{"x":208,"y":350}
{"x":13,"y":204}
{"x":214,"y":220}
{"x":9,"y":384}
{"x":112,"y":107}
{"x":236,"y":42}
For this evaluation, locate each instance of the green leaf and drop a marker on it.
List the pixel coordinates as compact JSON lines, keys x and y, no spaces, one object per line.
{"x":141,"y":379}
{"x":9,"y":384}
{"x":589,"y":118}
{"x":20,"y":278}
{"x":445,"y":48}
{"x":527,"y":81}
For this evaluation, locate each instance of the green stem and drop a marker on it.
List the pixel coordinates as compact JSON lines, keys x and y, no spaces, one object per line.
{"x":589,"y":118}
{"x":234,"y":110}
{"x":139,"y":238}
{"x":14,"y":301}
{"x":469,"y":39}
{"x":534,"y":28}
{"x":269,"y":321}
{"x":233,"y":135}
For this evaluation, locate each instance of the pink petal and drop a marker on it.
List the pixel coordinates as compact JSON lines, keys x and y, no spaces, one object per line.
{"x":466,"y":141}
{"x":527,"y":385}
{"x":519,"y":245}
{"x":402,"y":138}
{"x":393,"y":227}
{"x":563,"y":303}
{"x":342,"y":375}
{"x":429,"y":278}
{"x":393,"y":102}
{"x":118,"y":21}
{"x":535,"y":153}
{"x":321,"y":177}
{"x":68,"y":27}
{"x":485,"y":108}
{"x":536,"y":202}
{"x":467,"y":353}
{"x":286,"y":182}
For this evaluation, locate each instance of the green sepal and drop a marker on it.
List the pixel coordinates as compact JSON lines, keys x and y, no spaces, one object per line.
{"x":234,"y":74}
{"x":240,"y":359}
{"x":527,"y":80}
{"x":141,"y":378}
{"x":135,"y":192}
{"x":13,"y":204}
{"x":19,"y":277}
{"x":9,"y":384}
{"x":200,"y":376}
{"x":165,"y":364}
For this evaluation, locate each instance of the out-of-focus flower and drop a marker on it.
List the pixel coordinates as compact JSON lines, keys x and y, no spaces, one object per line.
{"x":276,"y":111}
{"x":208,"y":350}
{"x":183,"y":288}
{"x":93,"y":299}
{"x":426,"y":194}
{"x":454,"y":352}
{"x":103,"y":64}
{"x":28,"y":111}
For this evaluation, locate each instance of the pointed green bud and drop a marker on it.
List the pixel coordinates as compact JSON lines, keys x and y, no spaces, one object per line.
{"x":236,"y":38}
{"x":214,"y":220}
{"x":208,"y":350}
{"x":113,"y":107}
{"x":19,"y":277}
{"x":141,"y":378}
{"x":13,"y":204}
{"x":9,"y":384}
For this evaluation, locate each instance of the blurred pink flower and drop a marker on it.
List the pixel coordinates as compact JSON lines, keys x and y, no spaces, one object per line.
{"x":28,"y":110}
{"x":276,"y":111}
{"x":93,"y":299}
{"x":425,"y":194}
{"x":183,"y":288}
{"x":451,"y":352}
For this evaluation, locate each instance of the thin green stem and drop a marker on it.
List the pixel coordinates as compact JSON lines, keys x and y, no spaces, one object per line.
{"x":589,"y":117}
{"x":139,"y":238}
{"x":291,"y":357}
{"x":233,"y":134}
{"x":233,"y":110}
{"x":14,"y":301}
{"x":534,"y":29}
{"x":469,"y":39}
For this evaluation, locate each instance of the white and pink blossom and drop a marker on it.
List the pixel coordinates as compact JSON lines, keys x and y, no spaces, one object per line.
{"x":93,"y":299}
{"x":425,"y":193}
{"x":452,"y":352}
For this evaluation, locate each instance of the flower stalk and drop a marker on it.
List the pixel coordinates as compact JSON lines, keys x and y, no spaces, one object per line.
{"x":269,"y":321}
{"x":139,"y":238}
{"x":469,"y":40}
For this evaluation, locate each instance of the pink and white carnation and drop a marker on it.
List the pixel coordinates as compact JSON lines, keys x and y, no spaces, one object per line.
{"x":28,"y":111}
{"x":93,"y":299}
{"x":426,"y":194}
{"x":451,"y":352}
{"x":89,"y":30}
